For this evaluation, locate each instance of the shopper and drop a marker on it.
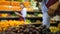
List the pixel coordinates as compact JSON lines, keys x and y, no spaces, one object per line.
{"x":45,"y":4}
{"x":22,"y":13}
{"x":46,"y":17}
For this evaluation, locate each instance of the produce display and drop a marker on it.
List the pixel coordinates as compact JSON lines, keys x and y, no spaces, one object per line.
{"x":4,"y":15}
{"x":7,"y":15}
{"x":5,"y":3}
{"x":54,"y":29}
{"x":38,"y":22}
{"x":19,"y":0}
{"x":14,"y":3}
{"x":28,"y":21}
{"x":9,"y":8}
{"x":34,"y":15}
{"x":27,"y":4}
{"x":2,"y":0}
{"x":56,"y":18}
{"x":28,"y":15}
{"x":4,"y":24}
{"x":21,"y":27}
{"x":27,"y":29}
{"x":14,"y":6}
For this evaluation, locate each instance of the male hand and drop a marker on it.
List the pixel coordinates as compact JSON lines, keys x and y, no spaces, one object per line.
{"x":53,"y":8}
{"x":51,"y":12}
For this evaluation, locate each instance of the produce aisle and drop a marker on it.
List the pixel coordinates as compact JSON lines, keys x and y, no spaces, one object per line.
{"x":9,"y":23}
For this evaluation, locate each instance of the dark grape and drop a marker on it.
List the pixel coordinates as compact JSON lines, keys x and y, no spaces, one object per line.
{"x":30,"y":32}
{"x":21,"y":27}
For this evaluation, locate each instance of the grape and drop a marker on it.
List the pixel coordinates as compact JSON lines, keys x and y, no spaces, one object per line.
{"x":21,"y":33}
{"x":30,"y":32}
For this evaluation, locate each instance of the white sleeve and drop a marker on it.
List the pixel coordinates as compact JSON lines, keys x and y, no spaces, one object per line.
{"x":24,"y":12}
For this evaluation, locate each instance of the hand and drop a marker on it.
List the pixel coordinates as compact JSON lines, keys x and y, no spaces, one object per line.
{"x":51,"y":12}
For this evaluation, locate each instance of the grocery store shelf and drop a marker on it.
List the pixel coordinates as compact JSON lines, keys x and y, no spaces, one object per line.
{"x":34,"y":11}
{"x":7,"y":11}
{"x":19,"y":11}
{"x":18,"y":17}
{"x":41,"y":23}
{"x":15,"y":17}
{"x":38,"y":24}
{"x":33,"y":17}
{"x":10,"y":17}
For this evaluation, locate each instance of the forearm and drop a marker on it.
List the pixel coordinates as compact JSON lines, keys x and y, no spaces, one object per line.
{"x":18,"y":14}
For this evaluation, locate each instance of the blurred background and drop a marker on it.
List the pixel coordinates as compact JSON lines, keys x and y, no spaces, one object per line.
{"x":9,"y":20}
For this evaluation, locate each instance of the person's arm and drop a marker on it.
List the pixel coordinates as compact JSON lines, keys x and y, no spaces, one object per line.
{"x":18,"y":14}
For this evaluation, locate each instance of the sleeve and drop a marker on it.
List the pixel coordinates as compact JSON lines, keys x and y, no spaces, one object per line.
{"x":24,"y":12}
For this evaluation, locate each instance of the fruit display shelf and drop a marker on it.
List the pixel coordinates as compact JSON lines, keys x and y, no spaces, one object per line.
{"x":34,"y":12}
{"x":9,"y":18}
{"x":27,"y":13}
{"x":27,"y":29}
{"x":16,"y":17}
{"x":9,"y":11}
{"x":33,"y":17}
{"x":51,"y":24}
